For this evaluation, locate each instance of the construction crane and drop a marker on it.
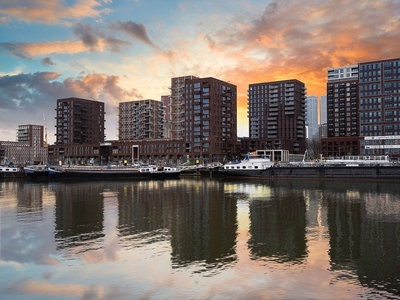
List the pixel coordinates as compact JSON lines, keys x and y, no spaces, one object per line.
{"x":45,"y":131}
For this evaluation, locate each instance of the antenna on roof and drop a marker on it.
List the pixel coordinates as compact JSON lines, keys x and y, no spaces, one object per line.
{"x":45,"y":131}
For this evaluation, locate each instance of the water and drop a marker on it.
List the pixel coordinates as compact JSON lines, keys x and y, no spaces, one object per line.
{"x":200,"y":239}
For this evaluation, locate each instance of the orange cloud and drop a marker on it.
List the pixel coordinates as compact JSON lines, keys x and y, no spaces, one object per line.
{"x":43,"y":11}
{"x":300,"y":40}
{"x":47,"y":48}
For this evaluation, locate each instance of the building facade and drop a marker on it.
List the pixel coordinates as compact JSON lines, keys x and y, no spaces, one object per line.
{"x":141,"y":119}
{"x":276,"y":113}
{"x":363,"y":109}
{"x":28,"y":149}
{"x":203,"y":129}
{"x":312,"y":117}
{"x":379,"y":86}
{"x":323,"y":117}
{"x":210,"y":118}
{"x":342,"y":113}
{"x":79,"y":121}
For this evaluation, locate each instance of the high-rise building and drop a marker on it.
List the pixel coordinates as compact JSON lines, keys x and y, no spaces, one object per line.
{"x":30,"y":147}
{"x":342,"y":112}
{"x":342,"y":101}
{"x":312,"y":116}
{"x":79,"y":121}
{"x":276,"y":113}
{"x":178,"y":105}
{"x":141,"y":119}
{"x":323,"y":110}
{"x":32,"y":134}
{"x":379,"y":108}
{"x":203,"y":114}
{"x":364,"y":109}
{"x":166,"y":100}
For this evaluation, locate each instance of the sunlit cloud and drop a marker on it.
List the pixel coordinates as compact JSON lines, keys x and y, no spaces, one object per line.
{"x":292,"y":39}
{"x":29,"y":50}
{"x":51,"y":12}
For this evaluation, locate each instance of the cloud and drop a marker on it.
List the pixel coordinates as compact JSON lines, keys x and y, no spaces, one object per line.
{"x":28,"y":50}
{"x":292,"y":39}
{"x":29,"y":96}
{"x":47,"y":61}
{"x":95,"y":40}
{"x":51,"y":12}
{"x":89,"y":42}
{"x":134,"y":30}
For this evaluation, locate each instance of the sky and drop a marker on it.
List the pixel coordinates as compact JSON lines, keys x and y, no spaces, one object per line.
{"x":123,"y":50}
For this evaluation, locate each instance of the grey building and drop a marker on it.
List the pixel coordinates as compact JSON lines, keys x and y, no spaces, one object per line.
{"x":312,"y":116}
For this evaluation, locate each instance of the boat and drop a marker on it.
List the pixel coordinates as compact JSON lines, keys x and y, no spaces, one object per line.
{"x":163,"y":172}
{"x":351,"y":167}
{"x":36,"y":171}
{"x":113,"y":172}
{"x":12,"y":172}
{"x":253,"y":165}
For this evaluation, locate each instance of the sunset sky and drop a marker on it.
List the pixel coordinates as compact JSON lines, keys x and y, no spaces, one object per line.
{"x":121,"y":50}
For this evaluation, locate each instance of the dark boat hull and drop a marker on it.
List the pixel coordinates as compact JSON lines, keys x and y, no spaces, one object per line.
{"x":322,"y":172}
{"x":11,"y":175}
{"x":109,"y":174}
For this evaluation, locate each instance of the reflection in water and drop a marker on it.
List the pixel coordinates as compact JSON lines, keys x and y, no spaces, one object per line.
{"x":140,"y":214}
{"x":194,"y":216}
{"x":79,"y":215}
{"x":278,"y":227}
{"x":364,"y":237}
{"x":200,"y":238}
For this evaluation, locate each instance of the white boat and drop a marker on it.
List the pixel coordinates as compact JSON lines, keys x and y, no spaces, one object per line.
{"x":253,"y":165}
{"x":11,"y":172}
{"x":36,"y":171}
{"x":353,"y":161}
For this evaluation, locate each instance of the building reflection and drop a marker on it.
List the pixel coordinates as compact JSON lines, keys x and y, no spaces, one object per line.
{"x":203,"y":225}
{"x":364,"y":236}
{"x":140,"y":213}
{"x":79,"y":215}
{"x":193,"y":215}
{"x":29,"y":203}
{"x":278,"y":227}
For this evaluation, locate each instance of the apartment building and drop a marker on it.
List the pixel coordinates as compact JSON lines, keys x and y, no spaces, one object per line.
{"x":379,"y":108}
{"x":276,"y":113}
{"x":141,"y":119}
{"x":342,"y":112}
{"x":201,"y":121}
{"x":363,"y":109}
{"x":79,"y":121}
{"x":29,"y":148}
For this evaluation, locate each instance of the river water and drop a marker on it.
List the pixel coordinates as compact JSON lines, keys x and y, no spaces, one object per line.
{"x":200,"y":239}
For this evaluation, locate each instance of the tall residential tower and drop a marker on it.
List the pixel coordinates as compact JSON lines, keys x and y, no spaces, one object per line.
{"x":276,"y":113}
{"x":79,"y":121}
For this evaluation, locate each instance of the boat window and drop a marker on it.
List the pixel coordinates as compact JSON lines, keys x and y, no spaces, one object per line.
{"x":250,"y":167}
{"x":237,"y":167}
{"x":255,"y":167}
{"x":244,"y":167}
